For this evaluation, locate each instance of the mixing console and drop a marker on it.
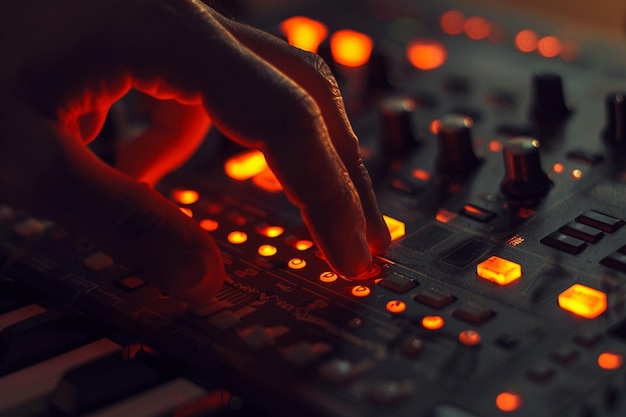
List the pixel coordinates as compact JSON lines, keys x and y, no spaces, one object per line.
{"x":496,"y":145}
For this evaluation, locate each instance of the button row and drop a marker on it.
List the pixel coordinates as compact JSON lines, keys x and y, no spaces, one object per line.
{"x":589,"y":227}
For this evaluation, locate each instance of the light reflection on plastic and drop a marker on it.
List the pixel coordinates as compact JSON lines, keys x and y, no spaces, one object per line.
{"x":304,"y":33}
{"x":303,"y":244}
{"x":549,"y":46}
{"x":245,"y":165}
{"x":396,"y":306}
{"x":426,"y":54}
{"x":396,"y":227}
{"x":508,"y":401}
{"x":477,"y":28}
{"x":452,"y":22}
{"x":526,"y":40}
{"x":351,"y":48}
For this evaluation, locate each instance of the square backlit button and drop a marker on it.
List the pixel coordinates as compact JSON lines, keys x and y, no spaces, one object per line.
{"x":499,"y":270}
{"x":583,"y":301}
{"x":130,"y":283}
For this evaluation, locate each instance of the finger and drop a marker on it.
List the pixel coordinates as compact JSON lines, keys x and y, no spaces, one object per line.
{"x":139,"y":228}
{"x":312,"y":74}
{"x":175,"y":132}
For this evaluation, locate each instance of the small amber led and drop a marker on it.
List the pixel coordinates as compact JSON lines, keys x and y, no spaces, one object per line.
{"x":433,"y":322}
{"x":328,"y":276}
{"x":396,"y":306}
{"x":237,"y":237}
{"x":361,"y":291}
{"x":304,"y":33}
{"x":209,"y":225}
{"x":245,"y":165}
{"x":508,"y":401}
{"x":296,"y":263}
{"x":610,"y":361}
{"x":185,"y":196}
{"x":351,"y":48}
{"x":396,"y":227}
{"x":583,"y":301}
{"x":267,"y":250}
{"x":270,"y":231}
{"x":558,"y":168}
{"x":499,"y":270}
{"x":469,"y":337}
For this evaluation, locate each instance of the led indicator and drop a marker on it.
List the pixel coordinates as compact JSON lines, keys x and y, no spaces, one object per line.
{"x":477,"y":28}
{"x":303,"y":244}
{"x":583,"y":301}
{"x":576,"y":174}
{"x":495,"y":146}
{"x":304,"y":33}
{"x":433,"y":322}
{"x":469,"y":337}
{"x":420,"y":174}
{"x":610,"y":361}
{"x":237,"y":237}
{"x":549,"y":46}
{"x":361,"y":291}
{"x":499,"y":270}
{"x":526,"y":40}
{"x":245,"y":165}
{"x":185,"y":196}
{"x":209,"y":225}
{"x":396,"y":227}
{"x":351,"y":48}
{"x":328,"y":276}
{"x":445,"y":216}
{"x":508,"y":402}
{"x":396,"y":306}
{"x":267,"y":250}
{"x":425,"y":54}
{"x":270,"y":231}
{"x":452,"y":22}
{"x":187,"y":211}
{"x":558,"y":168}
{"x":296,"y":263}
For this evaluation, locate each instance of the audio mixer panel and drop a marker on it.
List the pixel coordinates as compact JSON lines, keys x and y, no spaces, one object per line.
{"x":496,"y":144}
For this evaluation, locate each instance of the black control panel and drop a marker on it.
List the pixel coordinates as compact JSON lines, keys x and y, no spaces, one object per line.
{"x":497,"y":147}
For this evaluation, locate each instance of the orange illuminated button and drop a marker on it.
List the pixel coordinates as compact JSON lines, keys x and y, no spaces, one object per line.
{"x":583,"y":301}
{"x":426,"y":54}
{"x":245,"y":165}
{"x":351,"y":48}
{"x":209,"y":225}
{"x":396,"y":227}
{"x":396,"y":306}
{"x":508,"y":401}
{"x":237,"y":237}
{"x":185,"y":196}
{"x":270,"y":231}
{"x":499,"y":270}
{"x":361,"y":291}
{"x":469,"y":337}
{"x":296,"y":263}
{"x":610,"y":361}
{"x":328,"y":276}
{"x":267,"y":250}
{"x":433,"y":322}
{"x":304,"y":33}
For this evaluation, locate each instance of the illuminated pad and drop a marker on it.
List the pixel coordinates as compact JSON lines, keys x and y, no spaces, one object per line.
{"x":499,"y":270}
{"x":583,"y":301}
{"x":396,"y":227}
{"x":245,"y":165}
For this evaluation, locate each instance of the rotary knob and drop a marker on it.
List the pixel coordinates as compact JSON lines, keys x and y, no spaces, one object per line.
{"x":548,"y":99}
{"x":397,"y":134}
{"x":615,"y":130}
{"x":525,"y":180}
{"x":456,"y":152}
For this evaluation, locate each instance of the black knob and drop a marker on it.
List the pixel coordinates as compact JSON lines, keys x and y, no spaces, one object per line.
{"x":396,"y":123}
{"x":615,"y":129}
{"x":377,"y":73}
{"x":525,"y":181}
{"x":548,"y":99}
{"x":456,"y":152}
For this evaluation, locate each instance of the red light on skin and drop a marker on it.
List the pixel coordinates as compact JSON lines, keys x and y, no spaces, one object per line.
{"x":477,"y":28}
{"x":549,"y":46}
{"x":452,"y":22}
{"x":426,"y":54}
{"x":508,"y":402}
{"x":351,"y":48}
{"x":526,"y":40}
{"x":304,"y":33}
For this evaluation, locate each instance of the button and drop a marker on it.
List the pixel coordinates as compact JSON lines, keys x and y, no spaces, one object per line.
{"x":131,"y":283}
{"x":328,"y":276}
{"x":412,"y":347}
{"x":396,"y":306}
{"x":477,"y":213}
{"x":565,"y":356}
{"x":435,"y":298}
{"x":395,"y":226}
{"x":600,"y":221}
{"x":28,"y":228}
{"x":397,"y":283}
{"x":224,"y":320}
{"x":361,"y":291}
{"x":303,"y":353}
{"x":473,"y":314}
{"x":587,"y":340}
{"x":615,"y":260}
{"x":585,"y":157}
{"x":388,"y":391}
{"x":296,"y":263}
{"x":499,"y":270}
{"x":583,"y":301}
{"x":98,"y":261}
{"x":447,"y":410}
{"x":507,"y":341}
{"x":582,"y":232}
{"x":257,"y":337}
{"x":565,"y":243}
{"x":337,"y":370}
{"x":541,"y":373}
{"x":470,"y":337}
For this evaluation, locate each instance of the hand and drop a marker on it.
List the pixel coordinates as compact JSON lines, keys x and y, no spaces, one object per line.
{"x":65,"y":62}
